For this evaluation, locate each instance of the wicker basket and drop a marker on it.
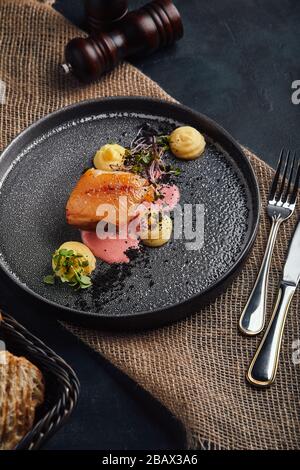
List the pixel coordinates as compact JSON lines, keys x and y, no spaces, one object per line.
{"x":62,"y":385}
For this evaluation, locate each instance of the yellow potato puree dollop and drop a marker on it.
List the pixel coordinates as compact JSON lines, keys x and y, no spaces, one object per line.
{"x":110,"y":157}
{"x":187,"y":143}
{"x":78,"y":248}
{"x":156,"y":229}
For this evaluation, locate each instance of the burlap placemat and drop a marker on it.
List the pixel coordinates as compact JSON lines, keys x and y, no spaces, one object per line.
{"x":195,"y":367}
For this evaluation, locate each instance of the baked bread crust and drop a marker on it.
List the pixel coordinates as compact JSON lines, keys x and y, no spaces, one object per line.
{"x":21,"y":392}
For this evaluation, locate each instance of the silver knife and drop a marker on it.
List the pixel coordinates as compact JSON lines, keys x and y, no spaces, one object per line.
{"x":263,"y":368}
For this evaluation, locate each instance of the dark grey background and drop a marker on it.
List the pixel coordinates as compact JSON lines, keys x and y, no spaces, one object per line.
{"x":236,"y":63}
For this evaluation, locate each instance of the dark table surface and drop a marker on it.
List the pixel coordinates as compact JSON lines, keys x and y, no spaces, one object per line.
{"x":236,"y":63}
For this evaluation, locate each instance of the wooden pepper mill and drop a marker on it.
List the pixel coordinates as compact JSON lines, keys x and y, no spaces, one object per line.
{"x":139,"y":33}
{"x":102,"y":14}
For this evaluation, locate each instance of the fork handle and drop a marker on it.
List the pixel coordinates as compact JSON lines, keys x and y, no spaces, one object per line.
{"x":252,"y":320}
{"x":263,"y":368}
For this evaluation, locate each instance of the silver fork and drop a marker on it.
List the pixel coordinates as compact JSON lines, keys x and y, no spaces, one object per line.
{"x":281,"y":205}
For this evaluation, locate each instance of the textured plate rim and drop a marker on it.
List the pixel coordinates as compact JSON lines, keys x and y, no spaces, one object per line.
{"x":145,"y":315}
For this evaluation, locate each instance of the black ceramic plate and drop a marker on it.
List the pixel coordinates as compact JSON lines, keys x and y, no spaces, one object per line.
{"x":38,"y":171}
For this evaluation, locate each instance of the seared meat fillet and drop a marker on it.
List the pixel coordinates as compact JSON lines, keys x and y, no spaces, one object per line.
{"x":96,"y":188}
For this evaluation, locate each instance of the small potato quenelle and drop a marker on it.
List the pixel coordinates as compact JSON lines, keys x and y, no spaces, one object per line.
{"x":73,"y":264}
{"x":80,"y":249}
{"x":187,"y":143}
{"x":110,"y":157}
{"x":156,"y":229}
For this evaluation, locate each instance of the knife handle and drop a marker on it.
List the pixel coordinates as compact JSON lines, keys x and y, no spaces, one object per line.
{"x":252,"y":320}
{"x":263,"y":368}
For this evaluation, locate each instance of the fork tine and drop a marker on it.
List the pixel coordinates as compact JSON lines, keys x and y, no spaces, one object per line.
{"x":276,"y":177}
{"x":286,"y":164}
{"x":287,"y":191}
{"x":296,"y":186}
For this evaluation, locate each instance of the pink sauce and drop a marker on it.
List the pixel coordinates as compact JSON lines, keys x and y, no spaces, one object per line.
{"x":109,"y":250}
{"x":113,"y":250}
{"x":171,"y":197}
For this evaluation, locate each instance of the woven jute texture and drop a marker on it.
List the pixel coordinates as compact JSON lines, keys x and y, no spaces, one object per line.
{"x":196,"y":367}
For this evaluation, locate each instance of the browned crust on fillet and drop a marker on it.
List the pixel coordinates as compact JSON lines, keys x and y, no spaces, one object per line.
{"x":96,"y":188}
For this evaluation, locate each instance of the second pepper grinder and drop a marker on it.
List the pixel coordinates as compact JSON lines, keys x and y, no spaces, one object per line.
{"x":101,"y":15}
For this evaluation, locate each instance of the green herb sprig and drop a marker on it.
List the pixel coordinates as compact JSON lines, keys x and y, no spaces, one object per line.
{"x":69,"y":266}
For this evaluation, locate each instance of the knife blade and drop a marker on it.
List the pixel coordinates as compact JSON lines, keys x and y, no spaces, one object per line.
{"x":291,"y":270}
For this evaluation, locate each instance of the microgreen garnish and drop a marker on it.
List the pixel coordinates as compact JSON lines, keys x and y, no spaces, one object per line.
{"x":69,"y":266}
{"x":174,"y":171}
{"x":49,"y":279}
{"x":147,"y":153}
